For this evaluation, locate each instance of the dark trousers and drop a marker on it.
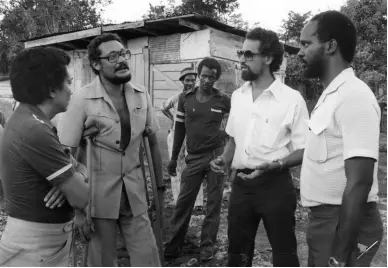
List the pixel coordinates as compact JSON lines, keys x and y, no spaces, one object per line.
{"x":192,"y":177}
{"x":323,"y":222}
{"x":271,"y":198}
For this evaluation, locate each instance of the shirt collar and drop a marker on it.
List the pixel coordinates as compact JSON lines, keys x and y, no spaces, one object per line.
{"x":216,"y":91}
{"x":97,"y":90}
{"x":37,"y":114}
{"x":335,"y":84}
{"x":275,"y":88}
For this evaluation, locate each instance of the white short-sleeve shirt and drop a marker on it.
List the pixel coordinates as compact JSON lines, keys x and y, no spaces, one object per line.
{"x":269,"y":128}
{"x":345,"y":123}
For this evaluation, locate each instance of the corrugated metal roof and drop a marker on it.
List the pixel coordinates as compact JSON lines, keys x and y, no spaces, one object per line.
{"x":163,"y":26}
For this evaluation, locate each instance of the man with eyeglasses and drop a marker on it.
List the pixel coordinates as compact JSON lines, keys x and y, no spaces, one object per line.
{"x":121,"y":111}
{"x":267,"y":128}
{"x":199,"y":115}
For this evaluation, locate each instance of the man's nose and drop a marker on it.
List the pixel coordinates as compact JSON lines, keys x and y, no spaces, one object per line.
{"x":300,"y":53}
{"x":242,"y":59}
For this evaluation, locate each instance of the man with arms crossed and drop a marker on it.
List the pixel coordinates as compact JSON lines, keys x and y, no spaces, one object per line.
{"x":33,"y":161}
{"x":199,"y":115}
{"x":267,"y":128}
{"x":339,"y":171}
{"x":121,"y":111}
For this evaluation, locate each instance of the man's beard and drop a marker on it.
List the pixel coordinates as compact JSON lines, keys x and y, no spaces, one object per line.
{"x":248,"y":75}
{"x":188,"y":87}
{"x":314,"y":69}
{"x":116,"y":80}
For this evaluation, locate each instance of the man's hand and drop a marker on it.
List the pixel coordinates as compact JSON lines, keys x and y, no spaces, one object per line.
{"x":218,"y":165}
{"x":54,"y":198}
{"x":259,"y":170}
{"x":84,"y":227}
{"x":147,"y":131}
{"x":81,"y":168}
{"x":90,"y":131}
{"x":171,"y":168}
{"x":250,"y":176}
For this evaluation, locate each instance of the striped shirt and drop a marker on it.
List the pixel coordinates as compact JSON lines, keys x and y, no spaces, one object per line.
{"x":343,"y":124}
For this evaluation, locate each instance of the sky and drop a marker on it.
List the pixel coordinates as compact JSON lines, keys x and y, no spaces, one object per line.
{"x":269,"y":13}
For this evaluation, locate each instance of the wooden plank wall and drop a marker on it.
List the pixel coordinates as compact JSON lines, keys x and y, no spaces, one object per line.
{"x":162,"y":88}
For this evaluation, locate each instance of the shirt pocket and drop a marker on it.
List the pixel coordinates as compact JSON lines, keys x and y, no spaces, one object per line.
{"x":216,"y":114}
{"x":316,"y":148}
{"x":269,"y":135}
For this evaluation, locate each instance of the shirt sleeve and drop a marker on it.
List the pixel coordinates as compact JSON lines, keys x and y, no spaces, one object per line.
{"x":71,"y":123}
{"x":229,"y":125}
{"x":42,"y":150}
{"x":299,"y":128}
{"x":151,"y":120}
{"x":359,"y":123}
{"x":180,"y":113}
{"x":227,"y":104}
{"x":169,"y":103}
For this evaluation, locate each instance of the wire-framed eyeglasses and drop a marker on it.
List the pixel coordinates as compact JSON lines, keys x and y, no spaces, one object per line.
{"x":114,"y":56}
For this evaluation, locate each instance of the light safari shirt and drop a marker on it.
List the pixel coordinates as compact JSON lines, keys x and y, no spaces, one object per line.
{"x":345,"y":123}
{"x":111,"y":166}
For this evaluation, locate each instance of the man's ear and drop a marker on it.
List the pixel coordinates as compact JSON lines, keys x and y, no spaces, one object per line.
{"x":268,"y":60}
{"x":52,"y":93}
{"x":331,"y":46}
{"x":96,"y":65}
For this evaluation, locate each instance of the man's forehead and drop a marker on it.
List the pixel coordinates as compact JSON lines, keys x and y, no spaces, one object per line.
{"x":309,"y":30}
{"x":252,"y":45}
{"x":110,"y":46}
{"x":207,"y":70}
{"x":190,"y":76}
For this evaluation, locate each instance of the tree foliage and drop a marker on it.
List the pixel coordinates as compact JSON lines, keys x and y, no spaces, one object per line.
{"x":25,"y":19}
{"x":293,"y":25}
{"x":221,"y":10}
{"x":370,"y":65}
{"x":370,"y":18}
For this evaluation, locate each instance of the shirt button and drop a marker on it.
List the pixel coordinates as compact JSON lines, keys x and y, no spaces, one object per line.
{"x":117,"y":121}
{"x":117,"y":142}
{"x":133,"y":133}
{"x":123,"y":175}
{"x":123,"y":153}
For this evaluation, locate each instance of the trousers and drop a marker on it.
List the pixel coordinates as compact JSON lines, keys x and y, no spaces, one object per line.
{"x":26,"y":243}
{"x":272,"y":198}
{"x":197,"y":168}
{"x":176,"y":180}
{"x":323,"y":221}
{"x":137,"y":234}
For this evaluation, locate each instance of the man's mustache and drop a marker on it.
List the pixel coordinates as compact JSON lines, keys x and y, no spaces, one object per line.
{"x":122,"y":66}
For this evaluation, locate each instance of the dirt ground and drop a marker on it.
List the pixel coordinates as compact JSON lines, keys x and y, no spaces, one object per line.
{"x":262,"y":249}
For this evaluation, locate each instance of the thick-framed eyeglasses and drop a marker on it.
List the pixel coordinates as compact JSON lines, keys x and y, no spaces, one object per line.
{"x":248,"y":55}
{"x":114,"y":56}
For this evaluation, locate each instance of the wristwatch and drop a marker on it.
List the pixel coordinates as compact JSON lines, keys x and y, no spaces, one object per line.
{"x":280,"y":163}
{"x":334,"y":263}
